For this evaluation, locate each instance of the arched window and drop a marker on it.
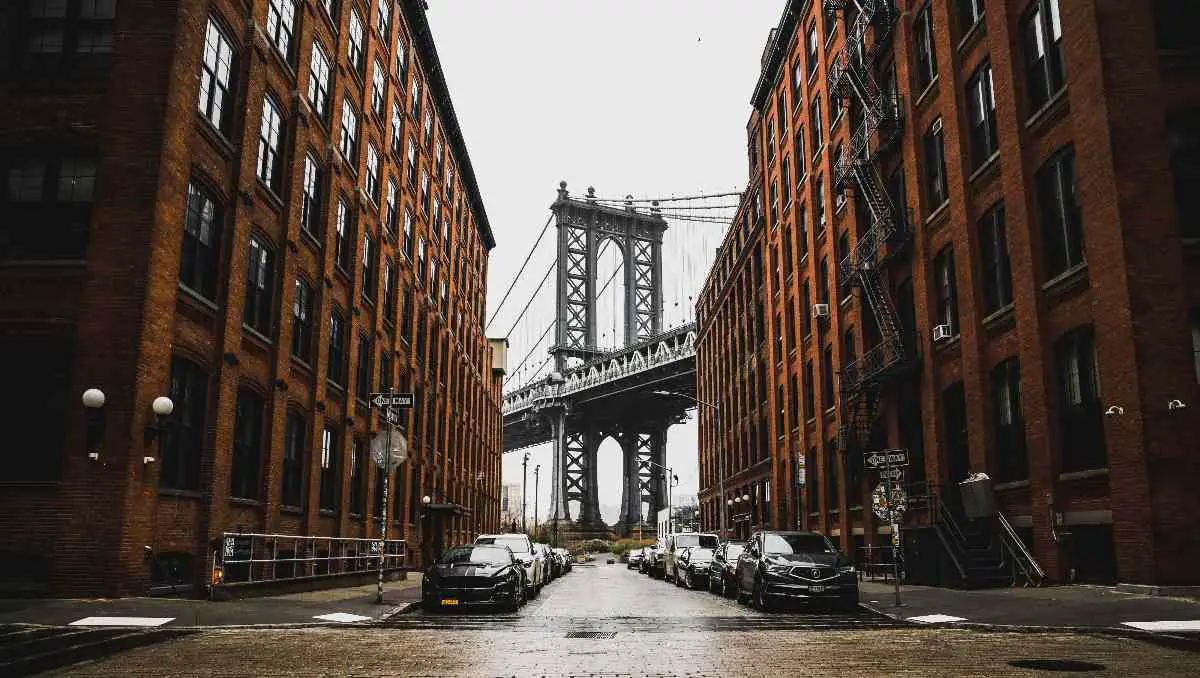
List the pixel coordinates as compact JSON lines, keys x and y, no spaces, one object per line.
{"x":183,"y":441}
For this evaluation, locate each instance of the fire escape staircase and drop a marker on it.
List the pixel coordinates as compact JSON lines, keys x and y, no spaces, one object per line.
{"x":851,"y":76}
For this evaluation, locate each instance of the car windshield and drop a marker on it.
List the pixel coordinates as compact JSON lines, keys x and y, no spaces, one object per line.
{"x":707,"y":541}
{"x":733,"y":551}
{"x":796,"y":543}
{"x":700,"y":554}
{"x":476,"y":555}
{"x":517,"y":544}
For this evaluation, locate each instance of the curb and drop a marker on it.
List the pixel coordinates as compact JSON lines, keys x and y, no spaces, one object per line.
{"x":1185,"y":643}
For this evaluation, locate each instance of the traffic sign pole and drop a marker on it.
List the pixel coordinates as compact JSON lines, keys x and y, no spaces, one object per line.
{"x":892,"y":510}
{"x":387,"y":471}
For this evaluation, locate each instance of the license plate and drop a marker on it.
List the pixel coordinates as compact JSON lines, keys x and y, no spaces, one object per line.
{"x":450,"y":601}
{"x":817,"y":589}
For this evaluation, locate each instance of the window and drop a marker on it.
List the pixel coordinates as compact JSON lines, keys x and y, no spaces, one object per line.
{"x":806,"y":299}
{"x":427,"y":130}
{"x":843,"y":254}
{"x":802,"y":231}
{"x":780,"y":410}
{"x":385,"y":370}
{"x":1083,"y":443}
{"x":832,"y":493}
{"x":785,"y":178}
{"x":827,"y":395}
{"x":260,"y":287}
{"x":926,"y":55}
{"x":835,"y":110}
{"x":406,"y":316}
{"x":1196,"y":342}
{"x":774,"y":203}
{"x":269,"y":132}
{"x":302,"y":313}
{"x":997,"y":272}
{"x":293,"y":461}
{"x":770,"y":142}
{"x":310,"y":202}
{"x":331,"y":8}
{"x":823,"y":281}
{"x":359,"y":463}
{"x":814,"y":116}
{"x":201,"y":248}
{"x":425,"y":191}
{"x":401,"y":60}
{"x":969,"y":13}
{"x":371,"y":181}
{"x":390,"y":208}
{"x":36,"y":416}
{"x":343,"y":236}
{"x":397,"y":127}
{"x":812,"y":46}
{"x":335,"y":371}
{"x":216,"y":81}
{"x":1045,"y":70}
{"x":368,"y":268}
{"x":412,"y":164}
{"x":354,"y":47}
{"x":1183,"y":139}
{"x":819,"y":204}
{"x":800,"y":171}
{"x":408,"y":233}
{"x":947,"y":300}
{"x":981,"y":102}
{"x":1011,"y":460}
{"x":247,"y":445}
{"x":183,"y":442}
{"x":329,"y":469}
{"x":318,"y":81}
{"x":53,"y":30}
{"x":348,"y":135}
{"x":362,"y":371}
{"x":383,"y":17}
{"x":1062,"y":221}
{"x":935,"y":166}
{"x":420,"y":261}
{"x":280,"y":16}
{"x":389,"y":292}
{"x":378,"y":88}
{"x":415,"y":109}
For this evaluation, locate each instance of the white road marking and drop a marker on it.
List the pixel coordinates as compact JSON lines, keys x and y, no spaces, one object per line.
{"x":122,"y":621}
{"x":1171,"y":625}
{"x":342,"y":617}
{"x":936,"y":618}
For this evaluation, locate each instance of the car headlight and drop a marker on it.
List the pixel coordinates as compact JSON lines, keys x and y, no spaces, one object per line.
{"x":778,"y":569}
{"x":846,"y":569}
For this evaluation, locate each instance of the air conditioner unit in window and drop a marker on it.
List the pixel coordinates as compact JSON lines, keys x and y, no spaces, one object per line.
{"x":820,"y":310}
{"x":942,"y":333}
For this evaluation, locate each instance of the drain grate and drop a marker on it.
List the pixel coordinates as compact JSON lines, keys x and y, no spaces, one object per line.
{"x":599,"y":635}
{"x":1070,"y":665}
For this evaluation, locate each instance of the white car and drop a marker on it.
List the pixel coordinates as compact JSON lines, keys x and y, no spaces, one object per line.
{"x":530,"y":557}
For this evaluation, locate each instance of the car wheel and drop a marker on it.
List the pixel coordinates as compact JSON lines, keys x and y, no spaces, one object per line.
{"x":761,"y":602}
{"x":741,"y":596}
{"x":726,"y":589}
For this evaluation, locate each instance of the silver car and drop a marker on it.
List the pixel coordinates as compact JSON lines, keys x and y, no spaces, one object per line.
{"x":531,"y":558}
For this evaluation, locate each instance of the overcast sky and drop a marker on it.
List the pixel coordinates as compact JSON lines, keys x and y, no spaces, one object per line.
{"x":629,"y":96}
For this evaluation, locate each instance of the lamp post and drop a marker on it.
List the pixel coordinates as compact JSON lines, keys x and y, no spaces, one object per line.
{"x":524,"y":482}
{"x":720,"y":456}
{"x":162,"y":407}
{"x":672,"y":481}
{"x":93,"y":402}
{"x":536,"y":470}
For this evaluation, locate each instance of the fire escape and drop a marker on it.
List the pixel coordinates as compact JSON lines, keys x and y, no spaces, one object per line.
{"x":877,"y":132}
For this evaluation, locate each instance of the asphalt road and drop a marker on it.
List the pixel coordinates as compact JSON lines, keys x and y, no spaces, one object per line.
{"x":609,"y":621}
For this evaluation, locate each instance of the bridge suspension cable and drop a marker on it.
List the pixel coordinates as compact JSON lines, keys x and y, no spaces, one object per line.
{"x":518,"y":276}
{"x":532,"y":297}
{"x":668,"y":199}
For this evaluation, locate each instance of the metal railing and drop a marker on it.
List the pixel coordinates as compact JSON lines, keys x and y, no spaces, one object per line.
{"x":1032,"y":571}
{"x":258,"y":558}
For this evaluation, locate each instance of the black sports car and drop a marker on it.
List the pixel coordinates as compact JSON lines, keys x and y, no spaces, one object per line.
{"x":474,"y":576}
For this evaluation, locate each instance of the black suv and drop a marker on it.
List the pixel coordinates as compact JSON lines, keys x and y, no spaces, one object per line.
{"x":796,"y":566}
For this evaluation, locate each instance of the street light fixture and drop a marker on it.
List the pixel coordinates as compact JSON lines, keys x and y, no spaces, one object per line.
{"x":425,"y":499}
{"x":162,"y":407}
{"x":93,"y":401}
{"x":720,"y":457}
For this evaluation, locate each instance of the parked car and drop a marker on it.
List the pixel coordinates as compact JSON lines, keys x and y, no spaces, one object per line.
{"x":531,"y":559}
{"x":565,"y":556}
{"x":691,"y":570}
{"x":473,"y":576}
{"x":634,"y":558}
{"x":549,"y":568}
{"x":654,"y":561}
{"x":681,"y":540}
{"x":722,"y":571}
{"x":795,"y":566}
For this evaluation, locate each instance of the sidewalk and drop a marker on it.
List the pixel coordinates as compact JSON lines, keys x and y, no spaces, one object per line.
{"x":1080,"y":607}
{"x":340,"y":605}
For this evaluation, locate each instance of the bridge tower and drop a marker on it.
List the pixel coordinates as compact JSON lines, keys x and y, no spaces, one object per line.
{"x":583,"y":226}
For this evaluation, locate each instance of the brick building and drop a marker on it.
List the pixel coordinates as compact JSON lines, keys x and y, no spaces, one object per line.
{"x":264,"y":211}
{"x":1026,"y":202}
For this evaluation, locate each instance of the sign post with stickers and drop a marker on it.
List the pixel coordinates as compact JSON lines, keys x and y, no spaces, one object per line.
{"x":388,"y":452}
{"x":888,"y":500}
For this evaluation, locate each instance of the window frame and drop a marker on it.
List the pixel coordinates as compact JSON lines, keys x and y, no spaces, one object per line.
{"x":203,"y":260}
{"x":259,"y":309}
{"x":215,"y":90}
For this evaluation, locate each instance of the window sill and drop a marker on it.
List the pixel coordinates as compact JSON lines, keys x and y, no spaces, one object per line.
{"x":927,"y":93}
{"x":186,"y":494}
{"x":939,"y":214}
{"x":216,"y":137}
{"x":945,"y":345}
{"x":295,"y":510}
{"x":310,"y":239}
{"x":1012,"y":485}
{"x":1081,"y":475}
{"x":44,"y":263}
{"x":974,"y":33}
{"x":989,"y":166}
{"x":255,"y":334}
{"x":268,"y":193}
{"x":998,"y":315}
{"x":846,"y":300}
{"x":300,"y":363}
{"x":1049,"y":112}
{"x":242,"y":501}
{"x":327,"y":512}
{"x":192,"y":295}
{"x":1067,"y":281}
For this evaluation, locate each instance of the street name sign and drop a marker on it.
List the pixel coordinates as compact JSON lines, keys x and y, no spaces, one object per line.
{"x":392,"y":399}
{"x":887,"y":458}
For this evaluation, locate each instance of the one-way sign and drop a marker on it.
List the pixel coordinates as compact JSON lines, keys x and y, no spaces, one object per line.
{"x":392,"y":399}
{"x":894,"y":473}
{"x":887,"y":458}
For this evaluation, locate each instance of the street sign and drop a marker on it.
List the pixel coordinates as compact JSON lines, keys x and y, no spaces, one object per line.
{"x":894,"y":473}
{"x":380,"y":454}
{"x":887,"y":458}
{"x":888,"y":508}
{"x":391,"y":399}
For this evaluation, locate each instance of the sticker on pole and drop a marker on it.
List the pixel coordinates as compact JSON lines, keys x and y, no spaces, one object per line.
{"x":385,"y":458}
{"x":888,"y":508}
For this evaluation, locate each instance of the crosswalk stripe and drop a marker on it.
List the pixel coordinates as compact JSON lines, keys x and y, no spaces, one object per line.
{"x":122,"y":621}
{"x":1167,"y":625}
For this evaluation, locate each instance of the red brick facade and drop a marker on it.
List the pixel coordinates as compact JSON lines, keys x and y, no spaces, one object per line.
{"x":1134,"y":287}
{"x":127,"y":310}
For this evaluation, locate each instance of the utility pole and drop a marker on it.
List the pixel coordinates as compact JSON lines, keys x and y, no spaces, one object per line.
{"x":524,"y":482}
{"x":536,"y":470}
